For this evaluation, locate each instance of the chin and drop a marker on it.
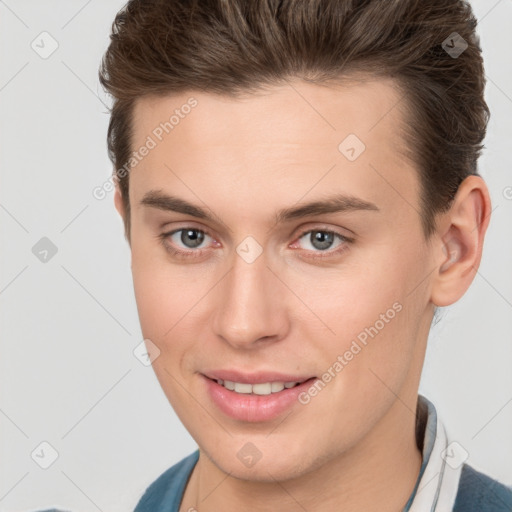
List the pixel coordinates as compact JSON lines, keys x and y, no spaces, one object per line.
{"x":268,"y":464}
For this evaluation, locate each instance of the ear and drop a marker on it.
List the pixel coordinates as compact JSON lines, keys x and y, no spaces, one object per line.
{"x":459,"y":241}
{"x":118,"y":202}
{"x":119,"y":205}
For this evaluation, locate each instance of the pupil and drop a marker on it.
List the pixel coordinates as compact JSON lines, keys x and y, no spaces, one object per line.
{"x":324,"y":239}
{"x":193,"y":234}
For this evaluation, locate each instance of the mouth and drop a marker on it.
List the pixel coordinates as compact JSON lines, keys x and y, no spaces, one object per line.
{"x":259,"y":397}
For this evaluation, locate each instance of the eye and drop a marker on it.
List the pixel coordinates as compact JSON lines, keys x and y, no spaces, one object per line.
{"x":321,"y":240}
{"x":188,"y":238}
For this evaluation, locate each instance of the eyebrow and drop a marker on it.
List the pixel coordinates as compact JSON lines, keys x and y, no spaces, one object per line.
{"x":332,"y":204}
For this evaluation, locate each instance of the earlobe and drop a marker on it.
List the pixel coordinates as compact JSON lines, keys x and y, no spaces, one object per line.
{"x":461,"y":239}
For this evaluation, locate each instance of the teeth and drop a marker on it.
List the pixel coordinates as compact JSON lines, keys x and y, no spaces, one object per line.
{"x":243,"y":388}
{"x":264,"y":388}
{"x":277,"y":386}
{"x":228,"y":385}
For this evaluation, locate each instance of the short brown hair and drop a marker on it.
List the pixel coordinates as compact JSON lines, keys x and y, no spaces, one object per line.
{"x":160,"y":47}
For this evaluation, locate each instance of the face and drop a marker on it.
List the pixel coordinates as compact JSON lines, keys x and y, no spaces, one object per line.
{"x":251,"y":287}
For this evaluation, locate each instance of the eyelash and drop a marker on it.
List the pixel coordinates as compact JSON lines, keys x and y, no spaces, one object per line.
{"x":194,"y":254}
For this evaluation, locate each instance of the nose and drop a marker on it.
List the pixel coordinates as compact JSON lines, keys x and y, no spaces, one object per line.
{"x":251,"y":305}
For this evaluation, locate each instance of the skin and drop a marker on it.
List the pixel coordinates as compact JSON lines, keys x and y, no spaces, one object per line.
{"x":353,"y":445}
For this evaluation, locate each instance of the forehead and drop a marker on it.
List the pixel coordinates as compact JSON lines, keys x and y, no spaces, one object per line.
{"x":289,"y":136}
{"x":329,"y":109}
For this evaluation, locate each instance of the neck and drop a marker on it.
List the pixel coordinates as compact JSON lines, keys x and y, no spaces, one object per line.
{"x":382,"y":468}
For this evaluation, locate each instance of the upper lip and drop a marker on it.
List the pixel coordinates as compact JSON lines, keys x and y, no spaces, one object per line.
{"x":255,"y":377}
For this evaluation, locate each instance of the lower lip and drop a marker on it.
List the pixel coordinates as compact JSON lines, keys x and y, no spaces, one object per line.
{"x":254,"y":408}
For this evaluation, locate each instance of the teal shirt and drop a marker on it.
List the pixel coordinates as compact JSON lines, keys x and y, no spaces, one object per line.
{"x":476,"y":491}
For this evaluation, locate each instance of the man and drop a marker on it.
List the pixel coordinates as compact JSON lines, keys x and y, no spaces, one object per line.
{"x":299,"y":189}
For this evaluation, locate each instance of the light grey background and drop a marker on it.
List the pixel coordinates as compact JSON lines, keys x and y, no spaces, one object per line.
{"x":69,"y":326}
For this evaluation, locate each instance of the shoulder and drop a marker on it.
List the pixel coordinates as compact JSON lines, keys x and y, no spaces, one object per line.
{"x":165,"y":493}
{"x":480,"y":493}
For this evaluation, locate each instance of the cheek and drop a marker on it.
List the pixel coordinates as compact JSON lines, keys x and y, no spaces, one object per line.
{"x":372,"y":314}
{"x":159,"y":295}
{"x":169,"y":298}
{"x":351,"y":298}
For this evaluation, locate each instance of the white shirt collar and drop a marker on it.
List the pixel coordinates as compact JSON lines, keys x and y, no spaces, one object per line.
{"x":439,"y":476}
